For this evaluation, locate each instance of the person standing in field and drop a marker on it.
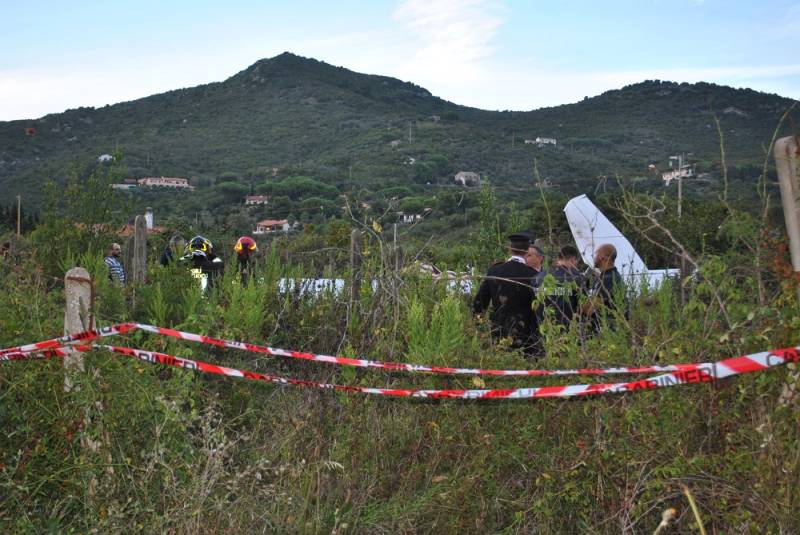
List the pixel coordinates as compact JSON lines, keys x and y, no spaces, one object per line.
{"x":561,"y":294}
{"x":172,"y":250}
{"x":606,"y":291}
{"x":206,"y":266}
{"x":246,"y":249}
{"x":116,"y":273}
{"x":507,"y":289}
{"x":535,"y":257}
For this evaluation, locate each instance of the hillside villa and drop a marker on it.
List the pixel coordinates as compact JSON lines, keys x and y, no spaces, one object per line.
{"x":257,"y":199}
{"x":271,"y":225}
{"x":687,"y":171}
{"x":128,"y":183}
{"x":542,"y":141}
{"x":165,"y":182}
{"x":411,"y":217}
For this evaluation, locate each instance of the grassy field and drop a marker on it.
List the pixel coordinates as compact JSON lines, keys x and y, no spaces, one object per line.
{"x":144,"y":448}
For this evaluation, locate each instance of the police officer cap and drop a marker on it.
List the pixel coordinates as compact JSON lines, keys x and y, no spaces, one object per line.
{"x":520,"y":241}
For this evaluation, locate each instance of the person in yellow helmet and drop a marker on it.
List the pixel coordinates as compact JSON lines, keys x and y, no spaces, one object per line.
{"x":246,"y":249}
{"x":206,"y":265}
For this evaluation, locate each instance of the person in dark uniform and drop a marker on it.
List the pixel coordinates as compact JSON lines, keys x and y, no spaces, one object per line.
{"x":172,"y":250}
{"x":508,"y":289}
{"x":606,"y":291}
{"x":205,"y":265}
{"x":560,"y":295}
{"x":535,"y":257}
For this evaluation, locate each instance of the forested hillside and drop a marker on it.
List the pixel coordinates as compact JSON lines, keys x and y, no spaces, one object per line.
{"x":158,"y":443}
{"x":292,"y":116}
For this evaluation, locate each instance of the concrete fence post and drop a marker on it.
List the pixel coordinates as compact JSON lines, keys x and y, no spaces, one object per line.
{"x":139,"y":271}
{"x":78,"y":317}
{"x":787,"y":150}
{"x":786,"y":155}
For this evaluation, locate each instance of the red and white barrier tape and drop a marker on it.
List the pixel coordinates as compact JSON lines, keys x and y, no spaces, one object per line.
{"x":35,"y":355}
{"x":701,"y":373}
{"x":706,"y":373}
{"x":125,"y":328}
{"x":401,"y":366}
{"x":63,"y":341}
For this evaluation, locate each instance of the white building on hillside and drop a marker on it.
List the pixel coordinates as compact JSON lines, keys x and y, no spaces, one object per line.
{"x":468,"y":178}
{"x":271,"y":225}
{"x":165,"y":182}
{"x":686,"y":171}
{"x":543,"y":141}
{"x":257,"y":199}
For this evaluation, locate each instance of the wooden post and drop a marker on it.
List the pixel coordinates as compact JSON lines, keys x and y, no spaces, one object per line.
{"x":355,"y":265}
{"x":19,"y":216}
{"x":786,"y":155}
{"x":77,"y":315}
{"x":127,"y":257}
{"x":139,"y":272}
{"x":355,"y":274}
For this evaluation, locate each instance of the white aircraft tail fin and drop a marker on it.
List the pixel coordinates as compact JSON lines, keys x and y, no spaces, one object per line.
{"x":591,"y":229}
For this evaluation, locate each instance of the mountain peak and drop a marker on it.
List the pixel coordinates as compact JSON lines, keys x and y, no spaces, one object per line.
{"x":282,"y":62}
{"x":291,"y":69}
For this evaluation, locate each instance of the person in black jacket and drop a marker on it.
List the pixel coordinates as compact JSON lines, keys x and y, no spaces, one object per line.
{"x":508,"y":289}
{"x":606,"y":291}
{"x":205,"y":265}
{"x":173,"y":249}
{"x":562,"y":293}
{"x":535,"y":257}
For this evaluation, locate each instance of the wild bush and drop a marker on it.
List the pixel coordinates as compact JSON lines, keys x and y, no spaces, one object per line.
{"x":140,"y":447}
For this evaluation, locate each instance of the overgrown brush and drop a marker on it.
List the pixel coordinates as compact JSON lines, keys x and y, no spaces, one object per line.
{"x":142,"y":448}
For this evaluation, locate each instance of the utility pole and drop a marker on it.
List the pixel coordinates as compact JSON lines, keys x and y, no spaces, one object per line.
{"x":513,"y":138}
{"x":680,"y":185}
{"x":19,"y":216}
{"x":409,"y":133}
{"x":679,"y":159}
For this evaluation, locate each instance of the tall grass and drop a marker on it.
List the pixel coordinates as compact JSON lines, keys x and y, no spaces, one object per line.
{"x":180,"y":452}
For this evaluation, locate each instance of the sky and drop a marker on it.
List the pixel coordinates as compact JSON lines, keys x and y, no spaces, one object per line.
{"x":490,"y":54}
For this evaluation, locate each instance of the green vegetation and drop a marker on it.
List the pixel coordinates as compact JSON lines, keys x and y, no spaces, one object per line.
{"x":296,"y":128}
{"x":143,"y":448}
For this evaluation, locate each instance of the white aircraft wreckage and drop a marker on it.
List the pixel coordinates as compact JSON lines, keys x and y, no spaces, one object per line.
{"x":591,"y":229}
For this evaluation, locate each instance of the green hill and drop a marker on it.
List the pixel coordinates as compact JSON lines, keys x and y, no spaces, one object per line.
{"x":290,"y":116}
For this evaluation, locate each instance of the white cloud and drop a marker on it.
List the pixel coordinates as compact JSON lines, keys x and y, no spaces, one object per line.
{"x":28,"y":94}
{"x":509,"y":87}
{"x":32,"y":93}
{"x":453,"y":37}
{"x":446,"y":46}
